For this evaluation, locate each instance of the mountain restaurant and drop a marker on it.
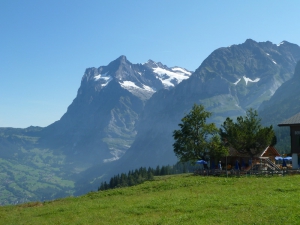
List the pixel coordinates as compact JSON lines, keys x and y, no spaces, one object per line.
{"x":247,"y":162}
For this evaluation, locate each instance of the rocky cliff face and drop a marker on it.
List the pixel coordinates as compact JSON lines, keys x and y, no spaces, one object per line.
{"x":100,"y":124}
{"x":250,"y":72}
{"x":228,"y":82}
{"x":284,"y":103}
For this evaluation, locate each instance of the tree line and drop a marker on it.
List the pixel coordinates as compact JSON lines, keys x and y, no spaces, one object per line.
{"x":138,"y":176}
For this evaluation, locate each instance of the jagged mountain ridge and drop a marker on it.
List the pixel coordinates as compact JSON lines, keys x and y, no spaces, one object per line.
{"x":100,"y":123}
{"x":141,"y":80}
{"x":227,"y":83}
{"x":251,"y":72}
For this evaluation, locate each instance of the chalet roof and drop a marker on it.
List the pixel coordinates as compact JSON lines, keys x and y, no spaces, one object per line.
{"x":266,"y":152}
{"x":294,"y":120}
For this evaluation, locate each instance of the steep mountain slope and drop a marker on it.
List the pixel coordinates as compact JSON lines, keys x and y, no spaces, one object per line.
{"x":99,"y":125}
{"x":284,"y":103}
{"x":227,"y":83}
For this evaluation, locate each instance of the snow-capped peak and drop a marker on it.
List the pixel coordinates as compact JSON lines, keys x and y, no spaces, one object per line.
{"x":142,"y":80}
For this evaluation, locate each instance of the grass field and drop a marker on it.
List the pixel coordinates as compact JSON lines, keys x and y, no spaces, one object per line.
{"x":178,"y":199}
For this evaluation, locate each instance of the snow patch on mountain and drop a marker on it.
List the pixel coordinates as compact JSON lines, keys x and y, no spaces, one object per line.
{"x":102,"y":76}
{"x":104,"y":79}
{"x":249,"y":80}
{"x":147,"y":88}
{"x":235,"y":83}
{"x":117,"y":154}
{"x":246,"y":80}
{"x":142,"y":80}
{"x":170,"y":78}
{"x":129,"y":85}
{"x":144,"y":92}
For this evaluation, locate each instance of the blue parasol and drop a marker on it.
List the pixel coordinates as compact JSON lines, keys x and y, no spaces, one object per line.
{"x":201,"y":162}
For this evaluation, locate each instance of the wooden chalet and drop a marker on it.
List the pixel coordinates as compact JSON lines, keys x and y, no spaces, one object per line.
{"x":245,"y":160}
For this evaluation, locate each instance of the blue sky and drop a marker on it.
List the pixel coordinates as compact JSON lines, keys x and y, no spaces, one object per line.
{"x":46,"y":45}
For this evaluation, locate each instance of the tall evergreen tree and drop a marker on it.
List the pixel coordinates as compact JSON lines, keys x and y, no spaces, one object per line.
{"x":246,"y":135}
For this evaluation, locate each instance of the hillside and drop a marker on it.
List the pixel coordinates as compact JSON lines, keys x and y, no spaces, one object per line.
{"x":228,"y":82}
{"x":180,"y":199}
{"x":99,"y":126}
{"x":285,"y":103}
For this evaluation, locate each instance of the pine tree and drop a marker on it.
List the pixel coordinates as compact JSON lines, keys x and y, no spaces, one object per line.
{"x":246,"y":135}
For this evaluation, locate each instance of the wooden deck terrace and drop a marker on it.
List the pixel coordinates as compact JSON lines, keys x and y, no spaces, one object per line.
{"x":258,"y":172}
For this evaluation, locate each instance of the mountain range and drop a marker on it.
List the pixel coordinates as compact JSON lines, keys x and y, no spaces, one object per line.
{"x":124,"y":114}
{"x":228,"y":82}
{"x":100,"y":124}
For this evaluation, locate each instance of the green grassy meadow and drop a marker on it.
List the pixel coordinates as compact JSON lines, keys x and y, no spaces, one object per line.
{"x":176,"y":199}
